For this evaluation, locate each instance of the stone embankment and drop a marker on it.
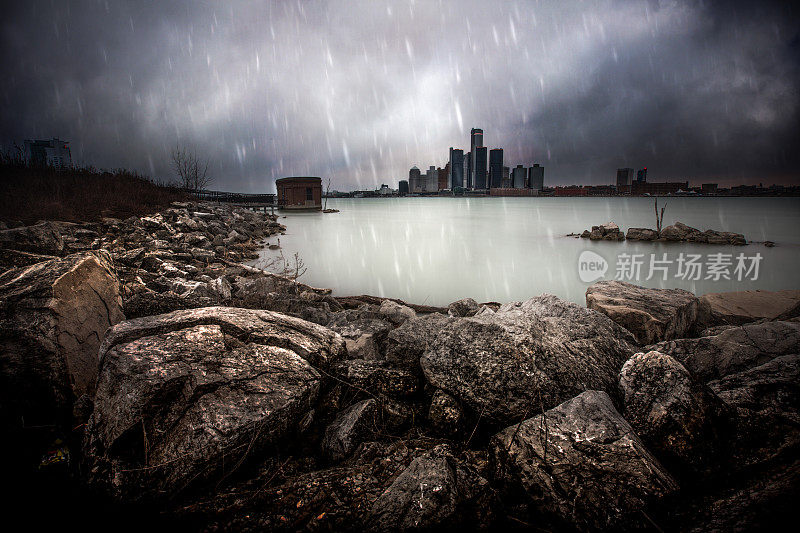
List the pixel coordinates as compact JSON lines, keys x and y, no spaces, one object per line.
{"x":678,"y":232}
{"x":228,"y":398}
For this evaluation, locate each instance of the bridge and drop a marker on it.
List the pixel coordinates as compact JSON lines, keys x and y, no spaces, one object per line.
{"x":256,"y":202}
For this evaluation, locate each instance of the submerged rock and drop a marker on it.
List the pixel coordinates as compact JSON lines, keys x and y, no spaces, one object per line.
{"x":526,"y":356}
{"x":186,"y":397}
{"x":641,"y":234}
{"x":652,"y":315}
{"x":580,"y":463}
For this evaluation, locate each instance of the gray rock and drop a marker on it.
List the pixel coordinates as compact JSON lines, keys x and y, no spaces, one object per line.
{"x":186,"y":397}
{"x":406,"y":344}
{"x":352,"y":426}
{"x":463,"y":308}
{"x":734,"y":350}
{"x":679,"y":419}
{"x":737,"y":308}
{"x":445,"y":414}
{"x":526,"y":356}
{"x":641,"y":234}
{"x":436,"y":492}
{"x":580,"y":462}
{"x":53,"y":317}
{"x":652,"y":315}
{"x":767,"y":403}
{"x":395,"y":312}
{"x":43,"y":238}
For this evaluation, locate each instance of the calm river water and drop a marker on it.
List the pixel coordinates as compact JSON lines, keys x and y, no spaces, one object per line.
{"x":437,"y":250}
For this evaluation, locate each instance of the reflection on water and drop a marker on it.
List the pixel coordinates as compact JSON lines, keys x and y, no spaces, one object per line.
{"x":437,"y":250}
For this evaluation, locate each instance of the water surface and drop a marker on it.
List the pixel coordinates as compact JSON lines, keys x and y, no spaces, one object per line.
{"x":437,"y":250}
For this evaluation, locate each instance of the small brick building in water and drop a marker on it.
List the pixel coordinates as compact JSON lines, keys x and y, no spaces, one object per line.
{"x":299,"y":193}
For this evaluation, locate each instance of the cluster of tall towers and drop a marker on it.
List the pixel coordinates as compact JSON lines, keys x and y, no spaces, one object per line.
{"x":479,"y":169}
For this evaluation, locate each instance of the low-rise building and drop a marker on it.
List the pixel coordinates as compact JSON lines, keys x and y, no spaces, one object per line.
{"x":302,"y":192}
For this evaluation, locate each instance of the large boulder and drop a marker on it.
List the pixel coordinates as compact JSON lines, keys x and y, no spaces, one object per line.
{"x":406,"y":344}
{"x":396,"y":313}
{"x":53,"y":317}
{"x":463,"y":307}
{"x":525,"y":357}
{"x":737,"y":308}
{"x":435,"y":492}
{"x":43,"y":238}
{"x":652,"y":315}
{"x":679,"y":419}
{"x":580,"y":463}
{"x":733,"y":350}
{"x":767,"y":403}
{"x":186,"y":397}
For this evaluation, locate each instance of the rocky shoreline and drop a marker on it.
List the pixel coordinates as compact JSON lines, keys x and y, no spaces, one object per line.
{"x":147,"y":366}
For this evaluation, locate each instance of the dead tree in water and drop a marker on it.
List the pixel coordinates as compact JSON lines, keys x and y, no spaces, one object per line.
{"x":659,"y":220}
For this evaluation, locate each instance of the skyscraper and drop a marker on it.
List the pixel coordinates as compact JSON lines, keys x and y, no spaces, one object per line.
{"x":456,"y":178}
{"x":468,"y":170}
{"x":495,"y":167}
{"x":642,"y":175}
{"x":476,"y":141}
{"x":518,"y":175}
{"x":506,"y":179}
{"x":624,"y":176}
{"x":431,"y":180}
{"x":414,"y":180}
{"x":480,"y":181}
{"x":536,"y":177}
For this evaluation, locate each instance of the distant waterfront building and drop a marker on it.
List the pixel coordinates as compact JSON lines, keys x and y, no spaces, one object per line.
{"x":518,"y":177}
{"x":709,"y":188}
{"x":299,"y":192}
{"x":642,"y":187}
{"x":456,"y":171}
{"x":402,"y":187}
{"x":624,"y":177}
{"x":641,"y":176}
{"x":384,"y":190}
{"x":506,"y":178}
{"x":414,"y":180}
{"x":51,"y":152}
{"x":481,"y":181}
{"x":496,"y":167}
{"x":536,"y":177}
{"x":476,"y":141}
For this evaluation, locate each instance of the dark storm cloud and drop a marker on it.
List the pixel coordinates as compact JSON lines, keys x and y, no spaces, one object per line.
{"x":360,"y":91}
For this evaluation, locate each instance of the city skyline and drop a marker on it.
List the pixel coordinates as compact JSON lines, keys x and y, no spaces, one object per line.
{"x":357,"y":91}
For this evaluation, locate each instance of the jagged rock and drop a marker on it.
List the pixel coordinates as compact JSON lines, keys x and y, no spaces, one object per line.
{"x":184,"y":397}
{"x":737,"y":308}
{"x":395,"y":312}
{"x":43,"y":238}
{"x":641,"y":234}
{"x":446,"y":414}
{"x":352,"y":426}
{"x":435,"y":492}
{"x":608,"y":232}
{"x":364,"y":347}
{"x":581,"y":463}
{"x":652,"y":315}
{"x":16,"y":258}
{"x":53,"y":316}
{"x":406,"y":344}
{"x":526,"y":356}
{"x":679,"y":419}
{"x":767,"y":403}
{"x":377,"y":377}
{"x":733,"y":350}
{"x":464,"y":307}
{"x":586,"y":234}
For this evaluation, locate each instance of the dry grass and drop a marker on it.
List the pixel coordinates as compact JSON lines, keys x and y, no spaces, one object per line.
{"x":30,"y":193}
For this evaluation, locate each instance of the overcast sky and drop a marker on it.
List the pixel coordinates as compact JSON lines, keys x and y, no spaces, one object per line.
{"x":362,"y":90}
